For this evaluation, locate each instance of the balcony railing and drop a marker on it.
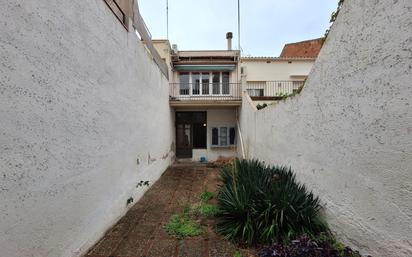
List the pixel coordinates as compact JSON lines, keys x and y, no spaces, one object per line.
{"x":208,"y":91}
{"x":273,"y":89}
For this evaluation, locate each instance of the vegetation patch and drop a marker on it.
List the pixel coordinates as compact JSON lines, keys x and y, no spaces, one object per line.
{"x":205,"y":209}
{"x":261,"y":106}
{"x":304,"y":246}
{"x":187,"y":224}
{"x":206,"y":196}
{"x":182,"y":226}
{"x":259,"y":204}
{"x":237,"y":254}
{"x":333,"y":18}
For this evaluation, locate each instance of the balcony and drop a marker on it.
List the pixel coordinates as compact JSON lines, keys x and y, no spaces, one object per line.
{"x":210,"y":94}
{"x":273,"y":90}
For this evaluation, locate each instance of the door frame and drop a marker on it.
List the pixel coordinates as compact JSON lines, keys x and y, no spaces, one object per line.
{"x":191,"y":122}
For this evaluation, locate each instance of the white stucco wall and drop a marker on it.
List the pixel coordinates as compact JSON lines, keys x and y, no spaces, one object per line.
{"x":84,"y":116}
{"x":348,"y":135}
{"x":220,"y":118}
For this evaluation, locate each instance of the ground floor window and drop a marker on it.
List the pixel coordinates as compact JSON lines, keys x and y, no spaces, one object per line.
{"x":223,"y":136}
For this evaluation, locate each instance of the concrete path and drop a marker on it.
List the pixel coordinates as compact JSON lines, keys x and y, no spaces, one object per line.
{"x":140,"y":232}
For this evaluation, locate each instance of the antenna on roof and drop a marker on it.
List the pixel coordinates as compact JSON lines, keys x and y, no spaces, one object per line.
{"x":167,"y":19}
{"x":238,"y":23}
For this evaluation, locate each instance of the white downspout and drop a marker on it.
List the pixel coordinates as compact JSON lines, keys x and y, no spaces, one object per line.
{"x":240,"y":135}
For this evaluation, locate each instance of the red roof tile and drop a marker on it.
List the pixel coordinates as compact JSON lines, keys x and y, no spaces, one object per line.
{"x":308,"y":49}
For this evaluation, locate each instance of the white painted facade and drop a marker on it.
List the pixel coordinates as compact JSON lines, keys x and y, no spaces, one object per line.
{"x":266,"y":79}
{"x":348,"y":134}
{"x":217,"y":118}
{"x":84,"y":117}
{"x":276,"y":68}
{"x":221,"y":110}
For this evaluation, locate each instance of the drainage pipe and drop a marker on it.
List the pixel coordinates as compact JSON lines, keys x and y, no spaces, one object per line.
{"x":240,"y":135}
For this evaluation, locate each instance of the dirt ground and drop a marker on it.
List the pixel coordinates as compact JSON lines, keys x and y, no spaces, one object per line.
{"x":140,"y":232}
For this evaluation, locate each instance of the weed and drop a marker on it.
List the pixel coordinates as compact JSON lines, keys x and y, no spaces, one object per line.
{"x":142,"y":183}
{"x":237,"y":254}
{"x":205,"y":209}
{"x":206,"y":196}
{"x":129,"y":201}
{"x":182,"y":226}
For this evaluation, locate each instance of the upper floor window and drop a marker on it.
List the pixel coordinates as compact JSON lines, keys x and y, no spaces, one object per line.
{"x":204,"y":83}
{"x":255,"y":92}
{"x":184,"y":78}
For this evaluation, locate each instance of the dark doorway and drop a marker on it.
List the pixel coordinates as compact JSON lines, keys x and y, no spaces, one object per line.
{"x":199,"y":135}
{"x":184,"y":141}
{"x":191,"y":133}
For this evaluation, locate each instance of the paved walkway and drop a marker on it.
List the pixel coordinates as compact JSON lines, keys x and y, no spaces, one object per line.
{"x":140,"y":234}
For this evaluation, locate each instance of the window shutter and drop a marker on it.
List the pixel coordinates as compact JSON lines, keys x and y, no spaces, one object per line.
{"x":215,"y":136}
{"x":232,"y":136}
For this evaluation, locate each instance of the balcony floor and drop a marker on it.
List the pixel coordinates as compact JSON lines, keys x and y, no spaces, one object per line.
{"x":205,"y":103}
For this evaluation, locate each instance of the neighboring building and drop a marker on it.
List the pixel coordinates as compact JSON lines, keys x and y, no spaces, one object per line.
{"x":303,"y":49}
{"x":271,"y":78}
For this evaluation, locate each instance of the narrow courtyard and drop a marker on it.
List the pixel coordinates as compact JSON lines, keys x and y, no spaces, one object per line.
{"x":140,"y":232}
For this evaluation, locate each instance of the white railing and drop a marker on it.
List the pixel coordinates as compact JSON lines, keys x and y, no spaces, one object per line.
{"x":140,"y":26}
{"x":280,"y":88}
{"x":210,"y":91}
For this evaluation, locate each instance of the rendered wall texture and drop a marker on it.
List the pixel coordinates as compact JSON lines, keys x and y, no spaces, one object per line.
{"x":260,"y":70}
{"x":348,"y":135}
{"x":84,"y":116}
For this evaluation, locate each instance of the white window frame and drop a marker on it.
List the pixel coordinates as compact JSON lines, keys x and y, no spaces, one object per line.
{"x":210,"y":85}
{"x":228,"y":128}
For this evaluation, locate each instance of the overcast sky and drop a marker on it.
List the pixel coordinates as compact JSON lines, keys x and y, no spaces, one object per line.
{"x":266,"y":25}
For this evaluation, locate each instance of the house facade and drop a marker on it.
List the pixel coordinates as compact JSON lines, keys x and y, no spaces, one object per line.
{"x":206,"y":89}
{"x":205,"y":94}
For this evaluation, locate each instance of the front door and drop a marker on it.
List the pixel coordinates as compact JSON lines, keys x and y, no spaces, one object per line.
{"x":184,"y":140}
{"x":190,"y":132}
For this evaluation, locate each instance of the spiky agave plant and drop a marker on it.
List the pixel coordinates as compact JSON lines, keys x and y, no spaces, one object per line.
{"x":264,"y":204}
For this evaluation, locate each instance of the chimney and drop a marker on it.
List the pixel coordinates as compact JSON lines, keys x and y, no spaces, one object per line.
{"x":174,"y":48}
{"x":229,"y":37}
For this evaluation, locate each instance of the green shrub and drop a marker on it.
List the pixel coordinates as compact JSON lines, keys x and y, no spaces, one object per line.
{"x":260,"y":107}
{"x":182,"y":226}
{"x":206,"y":196}
{"x":262,"y":204}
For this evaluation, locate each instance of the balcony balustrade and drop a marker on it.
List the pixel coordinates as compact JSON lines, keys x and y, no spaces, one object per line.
{"x":205,"y":92}
{"x":272,"y":89}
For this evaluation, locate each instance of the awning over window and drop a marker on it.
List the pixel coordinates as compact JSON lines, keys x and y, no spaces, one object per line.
{"x":226,"y":67}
